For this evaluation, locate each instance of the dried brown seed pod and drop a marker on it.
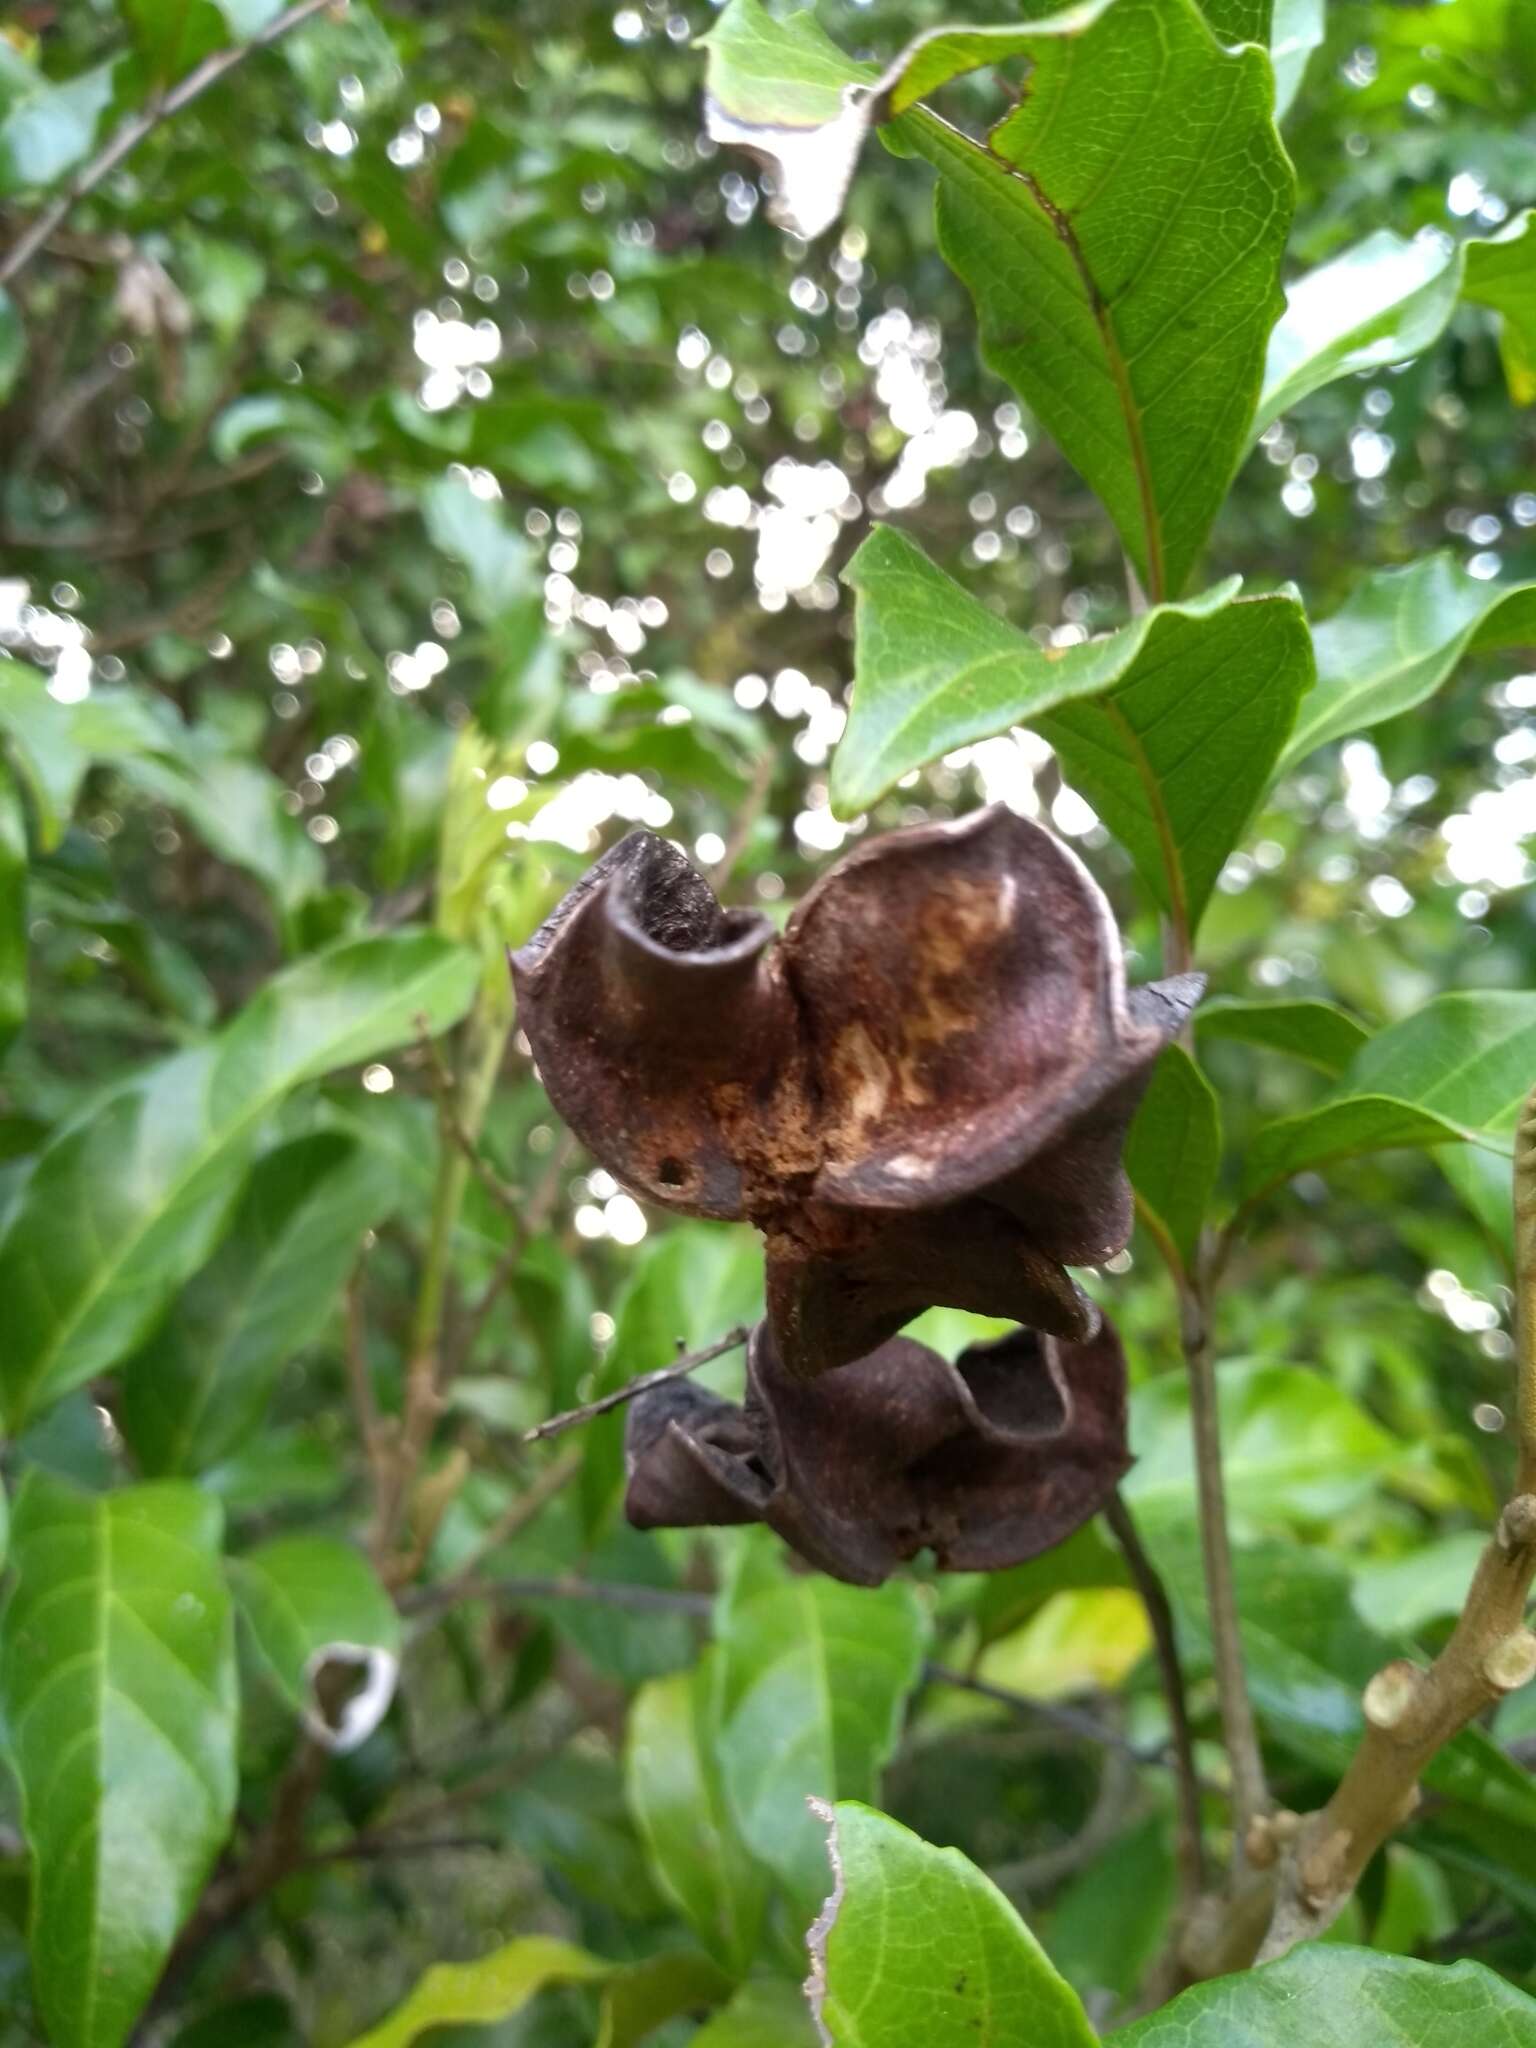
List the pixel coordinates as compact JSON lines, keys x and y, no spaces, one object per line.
{"x":986,"y":1462}
{"x":919,"y":1093}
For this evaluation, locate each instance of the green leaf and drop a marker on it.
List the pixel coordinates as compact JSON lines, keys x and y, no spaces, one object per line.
{"x":1123,"y":249}
{"x":236,"y":808}
{"x":1173,"y":1152}
{"x":1319,"y":1033}
{"x":1296,"y":31}
{"x":640,"y":1998}
{"x":13,"y":909}
{"x":1127,"y":302}
{"x":813,"y":1679}
{"x":916,"y":1948}
{"x":1380,"y":302}
{"x":1402,"y":1594}
{"x":1176,"y":758}
{"x":1294,"y":1445}
{"x":310,"y":1601}
{"x":148,"y":1173}
{"x":503,"y":571}
{"x":1169,"y":726}
{"x":13,"y":345}
{"x":57,"y":743}
{"x":54,"y":128}
{"x":765,"y":2014}
{"x":1112,"y":1918}
{"x":202,"y":1384}
{"x":1397,"y":639}
{"x":1455,"y":1069}
{"x":1309,"y":1658}
{"x":117,"y":1685}
{"x":482,"y":1993}
{"x":678,"y":1800}
{"x":935,"y":669}
{"x":1330,"y":1996}
{"x":1501,"y":273}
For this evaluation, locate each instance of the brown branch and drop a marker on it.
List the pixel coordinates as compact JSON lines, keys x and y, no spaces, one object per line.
{"x":556,"y":1425}
{"x":1411,"y":1712}
{"x":1154,"y":1597}
{"x":127,"y":137}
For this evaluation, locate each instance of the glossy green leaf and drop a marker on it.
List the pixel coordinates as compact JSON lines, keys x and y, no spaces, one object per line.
{"x":1501,"y":274}
{"x":303,"y":1597}
{"x":1319,"y":1033}
{"x":813,"y":1679}
{"x":1397,"y":639}
{"x":13,"y":908}
{"x":936,"y":669}
{"x":54,"y":128}
{"x":1330,"y":1996}
{"x":1173,"y":1152}
{"x":1296,"y":31}
{"x":202,"y":1383}
{"x":150,"y":1171}
{"x":916,"y":1948}
{"x":117,"y":1684}
{"x":1455,"y":1069}
{"x":679,"y":1803}
{"x":1123,"y":249}
{"x":482,"y":1993}
{"x":1169,"y":727}
{"x":1381,"y":301}
{"x":768,"y":2013}
{"x":1295,"y":1446}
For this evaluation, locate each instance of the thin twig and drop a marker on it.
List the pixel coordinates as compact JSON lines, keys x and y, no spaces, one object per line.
{"x":1069,"y":1720}
{"x":1240,"y":1734}
{"x":745,"y":822}
{"x":556,"y":1425}
{"x":127,"y":137}
{"x":643,"y":1599}
{"x":360,"y":1849}
{"x":528,"y":1226}
{"x":445,"y":1088}
{"x":517,"y":1515}
{"x":1154,"y":1598}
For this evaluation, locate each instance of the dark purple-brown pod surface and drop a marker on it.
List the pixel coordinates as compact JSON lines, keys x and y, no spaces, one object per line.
{"x":986,"y":1462}
{"x":919,"y":1094}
